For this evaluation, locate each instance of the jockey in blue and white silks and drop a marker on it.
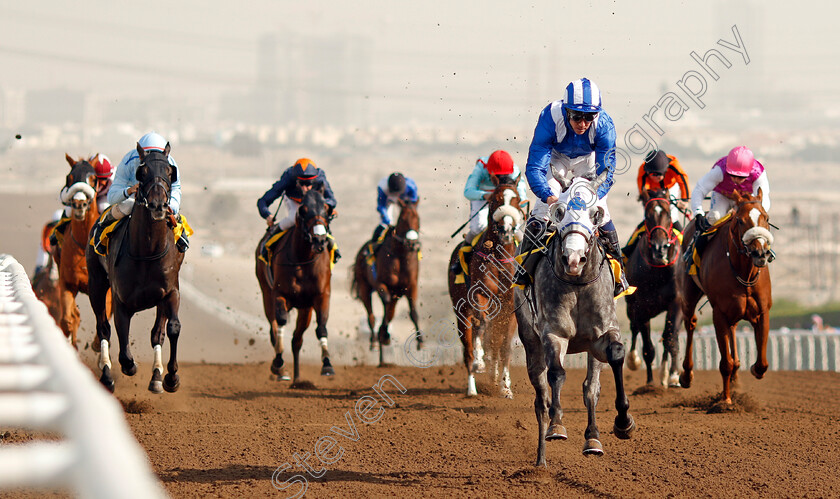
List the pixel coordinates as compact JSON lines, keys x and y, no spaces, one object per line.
{"x":389,"y":190}
{"x":575,"y":137}
{"x":121,"y":194}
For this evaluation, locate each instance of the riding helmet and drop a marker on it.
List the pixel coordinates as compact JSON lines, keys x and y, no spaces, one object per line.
{"x":305,"y":170}
{"x":657,"y":162}
{"x":583,"y":95}
{"x":396,"y":183}
{"x":152,"y":141}
{"x":740,"y":161}
{"x":499,"y":163}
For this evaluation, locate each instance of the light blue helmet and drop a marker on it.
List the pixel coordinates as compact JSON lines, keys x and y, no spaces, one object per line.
{"x":583,"y":95}
{"x":152,"y":140}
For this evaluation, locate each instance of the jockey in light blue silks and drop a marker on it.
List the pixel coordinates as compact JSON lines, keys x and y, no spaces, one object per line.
{"x":575,"y":137}
{"x":388,"y":191}
{"x":121,"y":195}
{"x":480,"y":187}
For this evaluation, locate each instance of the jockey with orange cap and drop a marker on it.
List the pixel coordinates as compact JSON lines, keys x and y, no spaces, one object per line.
{"x":125,"y":184}
{"x":737,"y":171}
{"x":480,"y":186}
{"x":296,"y":181}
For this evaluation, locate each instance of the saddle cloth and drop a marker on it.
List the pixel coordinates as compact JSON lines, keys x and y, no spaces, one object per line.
{"x":695,"y":257}
{"x":267,"y":254}
{"x":180,"y":226}
{"x":466,"y":249}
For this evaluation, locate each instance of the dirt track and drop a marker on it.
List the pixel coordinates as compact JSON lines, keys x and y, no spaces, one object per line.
{"x":231,"y":426}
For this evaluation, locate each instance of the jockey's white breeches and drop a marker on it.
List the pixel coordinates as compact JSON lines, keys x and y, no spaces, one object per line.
{"x":569,"y":168}
{"x":289,"y":221}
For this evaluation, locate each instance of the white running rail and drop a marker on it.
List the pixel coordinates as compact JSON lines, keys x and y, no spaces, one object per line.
{"x":45,"y":388}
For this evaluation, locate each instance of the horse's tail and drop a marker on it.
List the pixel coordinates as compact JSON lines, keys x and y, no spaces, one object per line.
{"x":355,"y":292}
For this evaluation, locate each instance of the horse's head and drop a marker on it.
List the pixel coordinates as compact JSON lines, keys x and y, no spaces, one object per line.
{"x":81,"y":187}
{"x":312,"y":219}
{"x":576,"y":219}
{"x":751,"y":226}
{"x":155,"y":175}
{"x":504,"y":207}
{"x":659,"y":226}
{"x":407,"y":230}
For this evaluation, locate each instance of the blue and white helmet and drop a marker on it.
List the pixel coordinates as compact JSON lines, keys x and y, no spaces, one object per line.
{"x":152,"y":140}
{"x":583,"y":95}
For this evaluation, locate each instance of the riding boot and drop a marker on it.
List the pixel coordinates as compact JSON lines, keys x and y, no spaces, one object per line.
{"x":631,"y":245}
{"x":98,"y":227}
{"x":610,"y":240}
{"x":183,"y":243}
{"x":377,"y":233}
{"x":534,"y":234}
{"x":698,"y":241}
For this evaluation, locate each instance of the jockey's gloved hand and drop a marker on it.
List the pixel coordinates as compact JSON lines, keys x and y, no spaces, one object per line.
{"x":701,"y":223}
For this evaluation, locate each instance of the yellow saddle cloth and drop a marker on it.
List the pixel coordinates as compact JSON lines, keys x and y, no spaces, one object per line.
{"x":695,"y":257}
{"x":370,"y":259}
{"x":463,"y":251}
{"x":268,"y":255}
{"x":639,"y":232}
{"x":181,"y":226}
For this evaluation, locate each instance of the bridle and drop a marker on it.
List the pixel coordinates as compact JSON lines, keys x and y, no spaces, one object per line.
{"x":589,"y":237}
{"x":742,"y":249}
{"x":669,"y":234}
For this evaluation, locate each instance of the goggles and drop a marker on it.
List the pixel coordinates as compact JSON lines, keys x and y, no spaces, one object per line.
{"x":579,"y":116}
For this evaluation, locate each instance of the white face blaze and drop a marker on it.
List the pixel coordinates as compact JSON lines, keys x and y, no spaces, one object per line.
{"x":412,"y":235}
{"x":574,"y":247}
{"x":509,"y":196}
{"x":754,"y":214}
{"x":319,"y":230}
{"x":657,"y":210}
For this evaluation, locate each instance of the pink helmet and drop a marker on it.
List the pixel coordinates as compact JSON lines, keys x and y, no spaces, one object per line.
{"x":740,"y":161}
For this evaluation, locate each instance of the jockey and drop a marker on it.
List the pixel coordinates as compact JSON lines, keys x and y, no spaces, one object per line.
{"x":105,"y":172}
{"x":125,"y":185}
{"x":576,"y":137}
{"x":43,"y":256}
{"x":390,"y":189}
{"x":296,"y":181}
{"x":662,"y":171}
{"x":480,"y":186}
{"x":737,"y":171}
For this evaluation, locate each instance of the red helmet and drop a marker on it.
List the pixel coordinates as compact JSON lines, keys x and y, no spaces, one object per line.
{"x":499,"y":163}
{"x":740,"y":162}
{"x":102,"y":165}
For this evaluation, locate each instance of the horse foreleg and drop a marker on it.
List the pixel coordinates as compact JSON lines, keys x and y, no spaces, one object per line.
{"x":99,"y":290}
{"x":171,"y":382}
{"x":671,"y":346}
{"x":322,"y":314}
{"x":465,"y":332}
{"x":591,"y":394}
{"x":69,"y":321}
{"x":554,"y":349}
{"x":633,"y":359}
{"x":624,"y":424}
{"x":366,"y":296}
{"x":304,"y":315}
{"x":690,"y":323}
{"x":724,"y":331}
{"x":537,"y":372}
{"x":415,"y":317}
{"x":387,"y":299}
{"x":277,"y":320}
{"x":648,"y":349}
{"x":736,"y":362}
{"x":122,"y":321}
{"x":504,"y":356}
{"x":761,"y":325}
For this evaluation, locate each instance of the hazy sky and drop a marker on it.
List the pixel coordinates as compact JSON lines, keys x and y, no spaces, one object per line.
{"x":447,"y":60}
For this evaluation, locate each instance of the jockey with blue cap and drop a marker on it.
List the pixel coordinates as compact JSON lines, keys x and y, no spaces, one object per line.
{"x":576,"y":137}
{"x":296,"y":181}
{"x":125,"y":185}
{"x":395,"y":187}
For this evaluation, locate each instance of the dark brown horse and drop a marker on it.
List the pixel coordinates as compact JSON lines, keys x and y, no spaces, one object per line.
{"x":80,"y":194}
{"x":651,"y":267}
{"x":484,"y":306}
{"x":733,"y":274}
{"x":141,"y":269}
{"x":392,"y":275}
{"x":298,"y":277}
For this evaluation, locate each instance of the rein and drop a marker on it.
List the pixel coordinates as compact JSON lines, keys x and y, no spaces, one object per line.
{"x":669,"y":233}
{"x":576,"y":283}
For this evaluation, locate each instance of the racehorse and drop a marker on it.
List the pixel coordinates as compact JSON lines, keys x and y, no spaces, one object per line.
{"x":570,"y":309}
{"x":298,"y":277}
{"x":392,"y":275}
{"x":484,"y":306}
{"x":733,"y":274}
{"x":45,"y":281}
{"x":80,"y":195}
{"x":141,"y":268}
{"x":651,"y":267}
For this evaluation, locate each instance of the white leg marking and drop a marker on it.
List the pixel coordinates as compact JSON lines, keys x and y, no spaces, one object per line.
{"x":104,"y":355}
{"x":158,"y":360}
{"x":471,"y":391}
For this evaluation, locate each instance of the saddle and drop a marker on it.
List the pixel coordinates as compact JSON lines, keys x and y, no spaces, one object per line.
{"x":708,"y":234}
{"x":178,"y":224}
{"x":57,"y":230}
{"x":372,"y":247}
{"x":464,"y":254}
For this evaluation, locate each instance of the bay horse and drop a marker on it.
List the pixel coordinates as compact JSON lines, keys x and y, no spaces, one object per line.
{"x":45,"y":281}
{"x":733,"y":274}
{"x":79,"y":194}
{"x":298,"y":277}
{"x":393,"y":275}
{"x":570,"y":309}
{"x":141,"y":269}
{"x":484,"y":306}
{"x":651,"y":267}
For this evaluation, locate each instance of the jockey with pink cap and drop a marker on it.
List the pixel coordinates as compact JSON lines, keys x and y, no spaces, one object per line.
{"x":738,"y":171}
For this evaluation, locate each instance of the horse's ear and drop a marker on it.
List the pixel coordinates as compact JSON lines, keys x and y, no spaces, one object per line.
{"x":70,"y":160}
{"x":141,"y":152}
{"x":596,"y":214}
{"x":645,"y":196}
{"x":167,"y":149}
{"x":759,"y":194}
{"x":494,"y":179}
{"x":516,"y":180}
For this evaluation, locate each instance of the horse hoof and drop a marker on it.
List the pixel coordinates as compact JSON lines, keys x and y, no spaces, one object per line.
{"x":106,"y":379}
{"x":626,"y":432}
{"x":385,"y":340}
{"x":479,"y":367}
{"x":685,"y":379}
{"x":156,"y":384}
{"x":633,"y":360}
{"x":593,"y":447}
{"x":130,"y":370}
{"x":327,"y":369}
{"x":277,"y":366}
{"x":507,"y":393}
{"x":755,"y":373}
{"x":171,"y":383}
{"x":556,"y":432}
{"x":674,"y":381}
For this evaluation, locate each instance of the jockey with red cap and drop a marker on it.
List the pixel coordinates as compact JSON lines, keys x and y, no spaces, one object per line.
{"x":125,"y":184}
{"x":296,"y":181}
{"x":737,"y":171}
{"x":480,"y":186}
{"x":104,"y":178}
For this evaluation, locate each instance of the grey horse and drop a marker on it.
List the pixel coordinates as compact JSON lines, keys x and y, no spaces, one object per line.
{"x":570,"y":309}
